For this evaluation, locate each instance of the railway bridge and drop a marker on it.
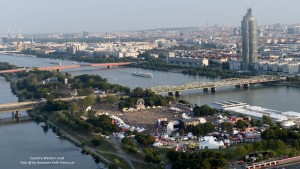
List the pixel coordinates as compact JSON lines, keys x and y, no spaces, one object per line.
{"x":206,"y":86}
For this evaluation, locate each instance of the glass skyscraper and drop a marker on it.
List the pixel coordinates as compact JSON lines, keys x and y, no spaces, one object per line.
{"x":249,"y":40}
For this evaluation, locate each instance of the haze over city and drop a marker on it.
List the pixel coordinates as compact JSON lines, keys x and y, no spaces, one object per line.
{"x":49,"y":16}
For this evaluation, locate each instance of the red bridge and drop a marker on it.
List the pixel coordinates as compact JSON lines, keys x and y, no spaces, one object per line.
{"x":108,"y":65}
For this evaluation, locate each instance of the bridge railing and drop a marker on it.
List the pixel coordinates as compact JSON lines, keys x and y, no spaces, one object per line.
{"x":225,"y":82}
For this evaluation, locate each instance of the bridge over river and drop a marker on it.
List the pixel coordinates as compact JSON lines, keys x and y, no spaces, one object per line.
{"x":57,"y":68}
{"x":238,"y":82}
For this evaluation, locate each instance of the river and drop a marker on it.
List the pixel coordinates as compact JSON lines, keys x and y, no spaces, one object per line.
{"x":275,"y":97}
{"x":20,"y":142}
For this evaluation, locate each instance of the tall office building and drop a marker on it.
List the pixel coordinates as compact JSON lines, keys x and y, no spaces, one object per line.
{"x":249,"y":40}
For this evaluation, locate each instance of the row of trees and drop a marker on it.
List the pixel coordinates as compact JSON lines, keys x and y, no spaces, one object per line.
{"x":201,"y":160}
{"x":276,"y":147}
{"x":150,"y":98}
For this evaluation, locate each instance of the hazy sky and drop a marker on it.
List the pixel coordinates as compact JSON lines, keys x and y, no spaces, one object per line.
{"x":45,"y":16}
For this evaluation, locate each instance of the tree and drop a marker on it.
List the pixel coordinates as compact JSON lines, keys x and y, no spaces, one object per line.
{"x":267,"y":120}
{"x":227,"y":126}
{"x":137,"y":92}
{"x":204,"y":110}
{"x":74,"y":108}
{"x":95,"y":141}
{"x":259,"y":123}
{"x":151,"y":155}
{"x":111,"y":98}
{"x":240,"y":124}
{"x":295,"y":144}
{"x":241,"y":151}
{"x":89,"y":101}
{"x":129,"y":142}
{"x":268,"y":134}
{"x":203,"y":129}
{"x":181,"y":132}
{"x":98,"y":99}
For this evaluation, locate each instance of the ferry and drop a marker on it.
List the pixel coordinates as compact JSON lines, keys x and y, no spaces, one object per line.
{"x":55,"y":63}
{"x":148,"y":75}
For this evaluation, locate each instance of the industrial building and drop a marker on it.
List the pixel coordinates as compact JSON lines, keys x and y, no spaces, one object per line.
{"x":256,"y":112}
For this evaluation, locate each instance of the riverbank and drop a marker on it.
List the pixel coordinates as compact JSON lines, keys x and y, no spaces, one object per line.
{"x":153,"y":65}
{"x":107,"y":152}
{"x":194,"y":71}
{"x":287,"y":84}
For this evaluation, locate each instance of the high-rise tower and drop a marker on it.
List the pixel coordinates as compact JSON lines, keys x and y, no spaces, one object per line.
{"x":249,"y":40}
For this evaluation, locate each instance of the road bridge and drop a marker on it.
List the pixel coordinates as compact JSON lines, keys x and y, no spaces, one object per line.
{"x":17,"y":106}
{"x":7,"y":107}
{"x":238,"y":82}
{"x":57,"y":68}
{"x":15,"y":120}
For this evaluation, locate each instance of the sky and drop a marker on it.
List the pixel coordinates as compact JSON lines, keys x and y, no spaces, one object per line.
{"x":71,"y":16}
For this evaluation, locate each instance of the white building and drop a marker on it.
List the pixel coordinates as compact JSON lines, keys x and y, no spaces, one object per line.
{"x":188,"y":61}
{"x":209,"y":142}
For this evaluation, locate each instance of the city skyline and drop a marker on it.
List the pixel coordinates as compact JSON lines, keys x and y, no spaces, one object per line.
{"x":108,"y":16}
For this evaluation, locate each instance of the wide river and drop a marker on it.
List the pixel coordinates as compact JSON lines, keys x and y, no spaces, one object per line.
{"x":19,"y":141}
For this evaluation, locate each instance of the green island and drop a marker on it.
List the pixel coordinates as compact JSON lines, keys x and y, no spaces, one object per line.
{"x":81,"y":108}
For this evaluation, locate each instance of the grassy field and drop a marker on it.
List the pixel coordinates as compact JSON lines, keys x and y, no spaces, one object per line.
{"x":123,"y":164}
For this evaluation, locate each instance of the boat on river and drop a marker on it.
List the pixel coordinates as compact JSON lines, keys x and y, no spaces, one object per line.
{"x":141,"y":74}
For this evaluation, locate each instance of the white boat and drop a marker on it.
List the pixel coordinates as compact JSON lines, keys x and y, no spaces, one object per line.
{"x":148,"y":75}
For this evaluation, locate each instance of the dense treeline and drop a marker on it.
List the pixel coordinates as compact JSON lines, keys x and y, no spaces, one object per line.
{"x":7,"y":66}
{"x":50,"y":85}
{"x":197,"y":160}
{"x":150,"y":98}
{"x":156,"y":65}
{"x":204,"y":110}
{"x":58,"y":105}
{"x":89,"y":82}
{"x":202,"y":71}
{"x":212,"y":72}
{"x":40,"y":84}
{"x":73,"y":122}
{"x":203,"y":129}
{"x":144,"y":140}
{"x":103,"y":124}
{"x":295,"y":78}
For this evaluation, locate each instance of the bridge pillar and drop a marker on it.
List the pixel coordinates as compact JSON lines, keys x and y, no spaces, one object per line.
{"x":109,"y":67}
{"x":17,"y":116}
{"x":246,"y":86}
{"x":237,"y":86}
{"x":170,"y":93}
{"x":205,"y":90}
{"x":12,"y":115}
{"x":177,"y":93}
{"x":213,"y":90}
